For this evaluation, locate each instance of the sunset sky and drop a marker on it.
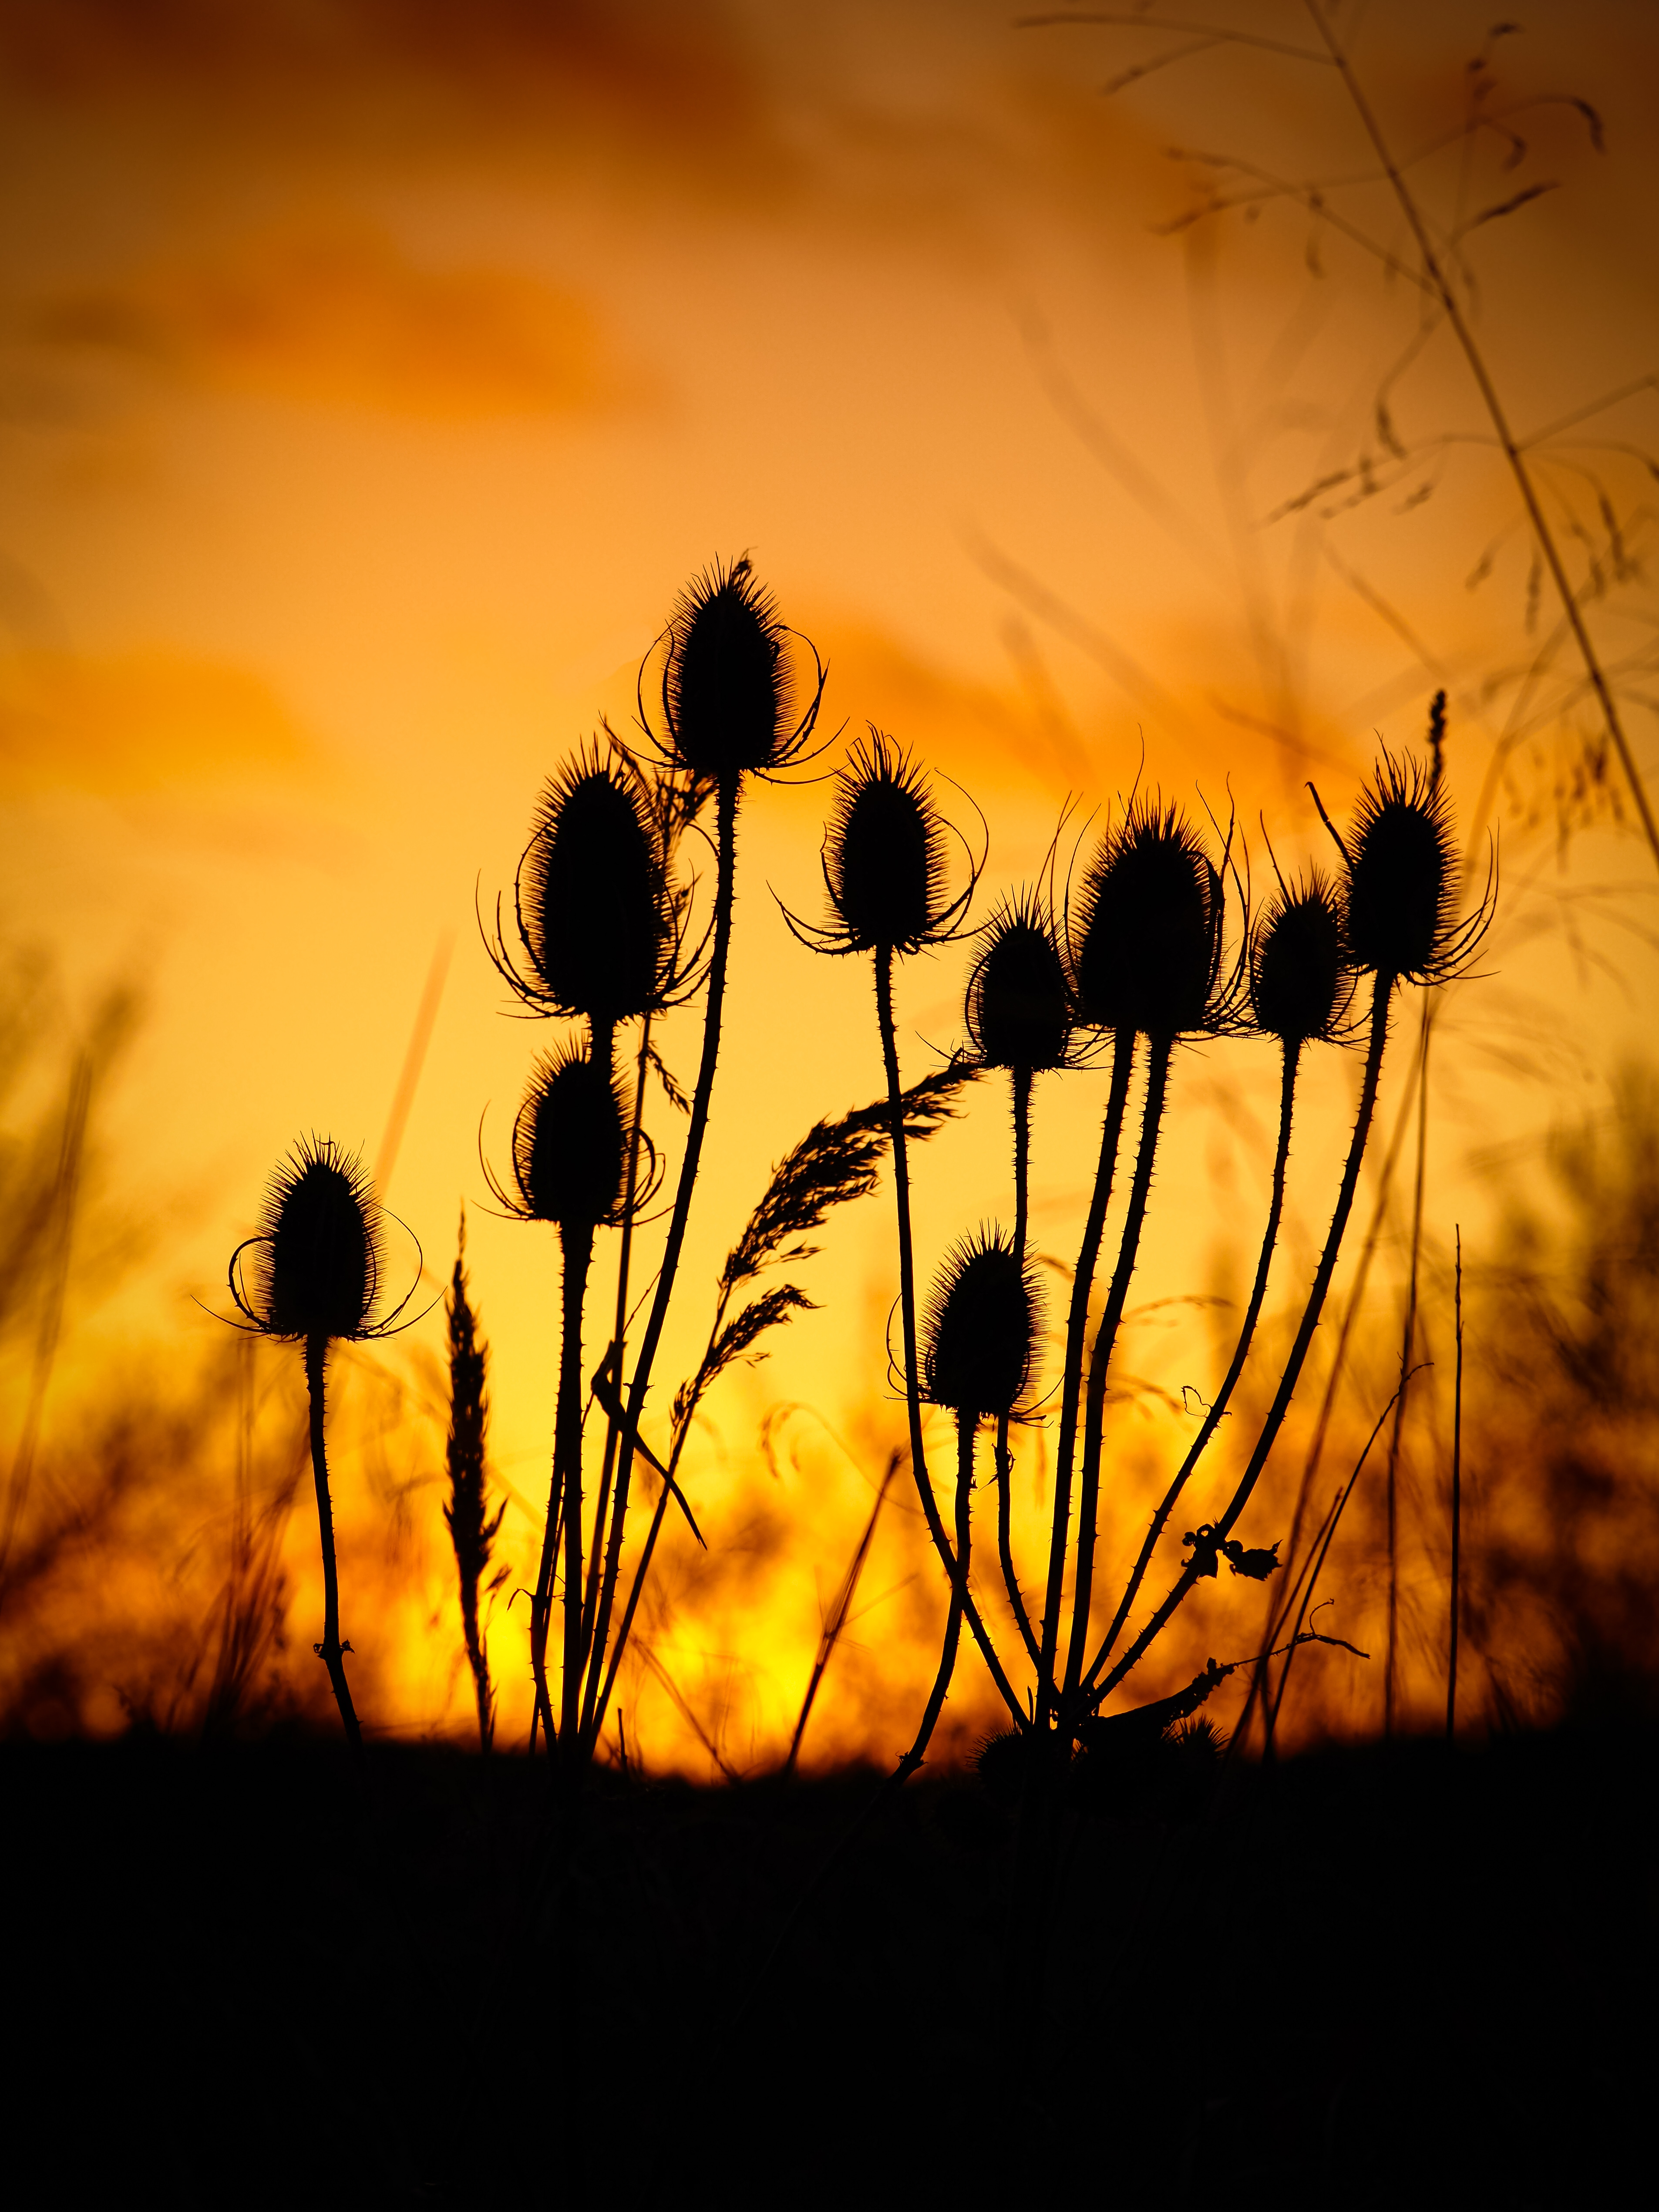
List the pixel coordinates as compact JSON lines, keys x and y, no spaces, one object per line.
{"x":373,"y":374}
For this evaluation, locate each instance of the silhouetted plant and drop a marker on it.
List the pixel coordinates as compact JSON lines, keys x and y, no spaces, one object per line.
{"x":471,"y":1526}
{"x":315,"y":1284}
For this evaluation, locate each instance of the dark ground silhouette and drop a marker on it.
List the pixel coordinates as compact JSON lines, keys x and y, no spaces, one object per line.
{"x":1376,"y":1977}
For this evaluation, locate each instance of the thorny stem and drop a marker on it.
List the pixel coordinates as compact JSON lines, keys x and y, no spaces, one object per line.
{"x":1157,"y":1077}
{"x":1456,"y":1499}
{"x":1512,"y":452}
{"x":1381,"y":993}
{"x":947,"y":1665}
{"x":955,"y":1569}
{"x":1077,"y":1332}
{"x":618,"y":1340}
{"x":576,"y":1242}
{"x":330,"y":1651}
{"x":1241,"y":1352}
{"x":725,"y":896}
{"x":1005,"y":1458}
{"x":1408,"y":1337}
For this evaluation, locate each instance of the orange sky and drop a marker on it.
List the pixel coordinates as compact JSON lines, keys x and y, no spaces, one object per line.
{"x":375,"y":373}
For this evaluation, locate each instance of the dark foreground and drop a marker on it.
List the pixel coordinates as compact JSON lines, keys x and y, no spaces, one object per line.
{"x":1385,"y":1977}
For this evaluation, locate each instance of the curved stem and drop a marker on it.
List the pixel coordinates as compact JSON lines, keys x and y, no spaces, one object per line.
{"x":619,"y":1341}
{"x":330,"y":1650}
{"x":576,"y":1242}
{"x":947,"y":1665}
{"x":1241,"y":1352}
{"x":1076,"y":1334}
{"x":957,"y":1570}
{"x":1382,"y":991}
{"x":1005,"y":1458}
{"x":725,"y":896}
{"x":1158,"y":1076}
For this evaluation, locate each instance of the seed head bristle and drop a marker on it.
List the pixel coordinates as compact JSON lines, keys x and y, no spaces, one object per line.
{"x":727,"y":691}
{"x":1402,"y":888}
{"x":1146,"y":949}
{"x":1299,"y":976}
{"x":883,"y":861}
{"x":569,"y":1143}
{"x":1019,"y":1010}
{"x":319,"y":1244}
{"x":595,"y":912}
{"x":981,"y":1328}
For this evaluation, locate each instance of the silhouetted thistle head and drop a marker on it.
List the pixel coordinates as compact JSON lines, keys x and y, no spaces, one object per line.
{"x":981,"y":1329}
{"x":1299,"y":975}
{"x":594,"y":909}
{"x":1019,"y":1004}
{"x":319,"y":1249}
{"x":727,"y":691}
{"x":1146,"y":948}
{"x":569,"y":1144}
{"x":1402,"y":889}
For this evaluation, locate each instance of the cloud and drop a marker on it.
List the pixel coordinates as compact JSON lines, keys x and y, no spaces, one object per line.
{"x":137,"y":721}
{"x":338,"y":314}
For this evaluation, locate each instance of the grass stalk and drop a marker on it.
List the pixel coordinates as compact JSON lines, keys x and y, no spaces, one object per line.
{"x":330,"y":1650}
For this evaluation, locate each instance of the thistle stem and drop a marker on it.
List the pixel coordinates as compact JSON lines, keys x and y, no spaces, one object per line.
{"x":1241,"y":1351}
{"x":576,"y":1242}
{"x":1005,"y":1458}
{"x":947,"y":1666}
{"x":956,"y":1571}
{"x":1457,"y":1501}
{"x":725,"y":895}
{"x":1077,"y":1333}
{"x":1157,"y":1077}
{"x":330,"y":1651}
{"x":1381,"y":993}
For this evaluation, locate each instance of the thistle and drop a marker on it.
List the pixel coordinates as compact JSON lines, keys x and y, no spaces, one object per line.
{"x":315,"y":1284}
{"x":570,"y":1147}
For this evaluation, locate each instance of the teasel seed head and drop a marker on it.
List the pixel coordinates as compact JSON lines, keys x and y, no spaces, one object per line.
{"x":594,"y":908}
{"x":981,"y":1328}
{"x":569,"y":1144}
{"x":1145,"y":949}
{"x":320,"y":1246}
{"x":1402,"y":887}
{"x":728,"y":691}
{"x":1300,"y":978}
{"x":1019,"y":1010}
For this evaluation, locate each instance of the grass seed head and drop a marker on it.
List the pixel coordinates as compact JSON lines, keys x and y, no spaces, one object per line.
{"x":1019,"y":1004}
{"x":726,"y":691}
{"x":1146,"y":949}
{"x":1403,"y":877}
{"x":569,"y":1143}
{"x":883,"y":861}
{"x":598,"y":921}
{"x":1299,"y":976}
{"x":981,"y":1329}
{"x":319,"y":1241}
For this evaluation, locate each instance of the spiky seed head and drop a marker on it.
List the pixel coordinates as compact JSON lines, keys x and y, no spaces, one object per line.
{"x":726,"y":688}
{"x":1147,"y":946}
{"x":1019,"y":1004}
{"x":569,"y":1143}
{"x":598,"y":921}
{"x":1402,"y":875}
{"x":884,"y":859}
{"x":1299,"y":977}
{"x":319,"y":1242}
{"x":981,"y":1328}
